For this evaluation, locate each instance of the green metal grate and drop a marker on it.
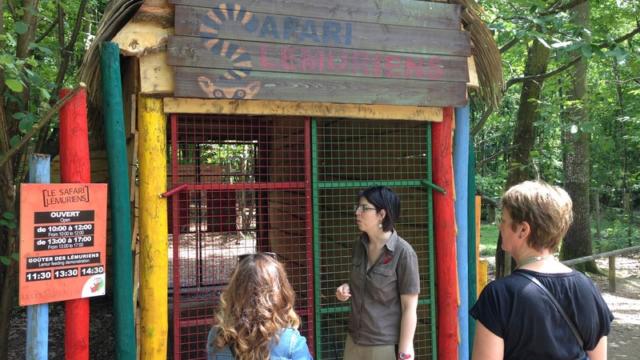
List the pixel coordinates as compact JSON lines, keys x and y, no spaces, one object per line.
{"x":348,"y":156}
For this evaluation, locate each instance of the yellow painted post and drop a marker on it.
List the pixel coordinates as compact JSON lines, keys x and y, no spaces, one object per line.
{"x":154,"y":239}
{"x":483,"y":274}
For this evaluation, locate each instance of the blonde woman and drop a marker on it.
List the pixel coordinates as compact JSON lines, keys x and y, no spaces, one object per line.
{"x":543,"y":310}
{"x":256,"y":320}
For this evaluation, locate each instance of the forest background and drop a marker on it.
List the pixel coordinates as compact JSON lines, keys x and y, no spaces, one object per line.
{"x":569,"y":112}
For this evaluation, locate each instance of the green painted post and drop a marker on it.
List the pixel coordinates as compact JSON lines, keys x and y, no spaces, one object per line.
{"x":315,"y":189}
{"x":432,"y":277}
{"x":119,"y":201}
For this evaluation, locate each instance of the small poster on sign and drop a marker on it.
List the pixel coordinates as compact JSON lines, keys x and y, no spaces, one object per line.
{"x":62,"y":242}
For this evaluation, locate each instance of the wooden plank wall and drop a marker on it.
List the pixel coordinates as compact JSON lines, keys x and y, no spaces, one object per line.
{"x":408,"y":52}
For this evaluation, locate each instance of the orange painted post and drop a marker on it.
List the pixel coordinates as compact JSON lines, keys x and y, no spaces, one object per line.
{"x":75,"y":167}
{"x":445,"y":238}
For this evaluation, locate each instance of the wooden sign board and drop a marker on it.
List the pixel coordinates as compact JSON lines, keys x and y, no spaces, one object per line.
{"x":62,"y":242}
{"x":407,"y":52}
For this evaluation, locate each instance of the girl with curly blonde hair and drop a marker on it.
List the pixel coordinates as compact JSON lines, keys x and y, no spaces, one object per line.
{"x":256,"y":320}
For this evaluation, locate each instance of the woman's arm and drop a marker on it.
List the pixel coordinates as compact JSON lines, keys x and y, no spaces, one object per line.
{"x":299,"y":349}
{"x":487,"y":345}
{"x":408,"y":324}
{"x":600,"y":351}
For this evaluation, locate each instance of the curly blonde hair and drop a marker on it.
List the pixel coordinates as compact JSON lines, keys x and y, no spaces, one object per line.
{"x":255,"y":306}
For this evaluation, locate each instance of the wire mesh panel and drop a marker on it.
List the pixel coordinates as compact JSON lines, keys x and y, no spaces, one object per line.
{"x":244,"y":187}
{"x":350,"y":155}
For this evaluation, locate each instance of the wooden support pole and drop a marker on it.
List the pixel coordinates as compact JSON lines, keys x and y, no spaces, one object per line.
{"x":154,"y":240}
{"x":483,"y":274}
{"x":119,"y":199}
{"x":472,"y":244}
{"x":445,"y":238}
{"x":612,"y":274}
{"x":38,"y":315}
{"x":75,"y":167}
{"x":461,"y":179}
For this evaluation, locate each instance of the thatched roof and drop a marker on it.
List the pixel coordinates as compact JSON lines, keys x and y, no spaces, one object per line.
{"x":485,"y":52}
{"x":119,"y":12}
{"x":116,"y":16}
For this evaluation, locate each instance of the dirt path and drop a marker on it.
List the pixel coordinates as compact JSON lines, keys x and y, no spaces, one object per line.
{"x":624,"y":339}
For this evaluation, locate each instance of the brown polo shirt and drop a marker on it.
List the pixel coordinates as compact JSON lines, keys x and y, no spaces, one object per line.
{"x":376,"y":310}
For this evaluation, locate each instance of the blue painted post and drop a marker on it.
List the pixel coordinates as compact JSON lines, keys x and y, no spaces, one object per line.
{"x":473,"y":251}
{"x":38,"y":315}
{"x":461,"y":178}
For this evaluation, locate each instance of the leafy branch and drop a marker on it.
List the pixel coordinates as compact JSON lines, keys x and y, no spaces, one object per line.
{"x":608,"y":44}
{"x":39,"y":125}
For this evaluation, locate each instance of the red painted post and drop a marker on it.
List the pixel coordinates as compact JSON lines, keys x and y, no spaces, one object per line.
{"x":75,"y":167}
{"x":445,"y":237}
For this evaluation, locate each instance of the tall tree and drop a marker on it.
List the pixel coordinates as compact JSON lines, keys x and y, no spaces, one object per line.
{"x":577,"y":159}
{"x":519,"y":168}
{"x":40,"y":44}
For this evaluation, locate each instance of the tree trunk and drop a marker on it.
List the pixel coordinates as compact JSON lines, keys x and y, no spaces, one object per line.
{"x":7,"y":203}
{"x":577,"y":159}
{"x":7,"y":248}
{"x":520,"y":168}
{"x":10,"y":172}
{"x":596,"y":202}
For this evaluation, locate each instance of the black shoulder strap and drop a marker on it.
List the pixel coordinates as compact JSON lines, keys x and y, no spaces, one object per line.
{"x":574,"y":330}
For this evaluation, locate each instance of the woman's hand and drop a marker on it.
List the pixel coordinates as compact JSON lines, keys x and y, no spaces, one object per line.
{"x":343,"y":292}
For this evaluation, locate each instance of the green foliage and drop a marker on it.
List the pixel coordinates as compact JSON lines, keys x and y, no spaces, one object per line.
{"x":615,"y":232}
{"x":613,"y":100}
{"x":488,"y":239}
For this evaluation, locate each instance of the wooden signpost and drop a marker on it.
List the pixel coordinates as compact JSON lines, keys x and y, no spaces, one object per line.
{"x":408,"y":53}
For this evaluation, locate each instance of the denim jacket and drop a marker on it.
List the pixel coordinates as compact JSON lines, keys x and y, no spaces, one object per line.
{"x":292,"y":346}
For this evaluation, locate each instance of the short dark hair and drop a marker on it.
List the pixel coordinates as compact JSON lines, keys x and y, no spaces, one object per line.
{"x":383,"y":198}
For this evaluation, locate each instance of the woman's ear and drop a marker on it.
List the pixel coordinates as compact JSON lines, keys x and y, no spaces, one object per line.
{"x":525,"y":230}
{"x":381,"y":214}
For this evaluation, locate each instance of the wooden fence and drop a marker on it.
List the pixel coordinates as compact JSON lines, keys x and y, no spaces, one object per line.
{"x":612,"y":262}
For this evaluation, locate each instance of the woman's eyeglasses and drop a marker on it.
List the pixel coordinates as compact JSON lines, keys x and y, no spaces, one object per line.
{"x":267,"y":253}
{"x":362,"y":207}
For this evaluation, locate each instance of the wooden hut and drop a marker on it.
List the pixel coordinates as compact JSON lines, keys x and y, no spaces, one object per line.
{"x":252,"y":125}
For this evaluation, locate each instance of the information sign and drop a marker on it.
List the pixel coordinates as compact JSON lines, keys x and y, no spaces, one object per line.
{"x":62,"y":242}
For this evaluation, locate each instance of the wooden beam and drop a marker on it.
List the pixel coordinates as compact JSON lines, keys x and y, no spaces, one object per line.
{"x":138,"y":38}
{"x":290,"y":108}
{"x":196,"y":21}
{"x":191,"y":52}
{"x":391,"y":12}
{"x":473,"y":74}
{"x":156,"y":77}
{"x":265,"y":85}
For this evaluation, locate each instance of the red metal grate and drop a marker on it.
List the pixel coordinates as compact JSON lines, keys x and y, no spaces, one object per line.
{"x":244,"y":187}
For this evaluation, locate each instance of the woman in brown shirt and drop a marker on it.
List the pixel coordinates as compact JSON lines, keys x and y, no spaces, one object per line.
{"x":384,"y":283}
